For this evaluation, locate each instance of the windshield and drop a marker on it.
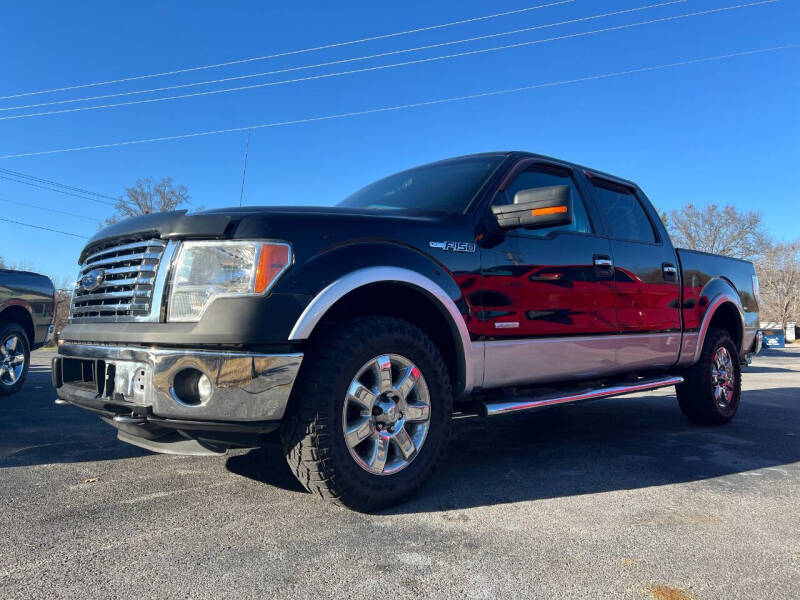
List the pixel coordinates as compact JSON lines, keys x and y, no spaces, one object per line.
{"x":446,"y":186}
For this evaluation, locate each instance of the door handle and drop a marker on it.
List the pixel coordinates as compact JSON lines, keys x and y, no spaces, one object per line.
{"x":603,"y":265}
{"x":669,"y":271}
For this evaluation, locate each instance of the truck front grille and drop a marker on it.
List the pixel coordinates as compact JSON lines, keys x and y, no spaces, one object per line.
{"x":117,"y":283}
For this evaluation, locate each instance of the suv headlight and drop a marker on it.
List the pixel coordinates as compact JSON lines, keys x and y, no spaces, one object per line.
{"x":205,"y":271}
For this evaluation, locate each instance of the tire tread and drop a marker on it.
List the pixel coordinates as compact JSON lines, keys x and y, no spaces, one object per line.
{"x":694,"y":394}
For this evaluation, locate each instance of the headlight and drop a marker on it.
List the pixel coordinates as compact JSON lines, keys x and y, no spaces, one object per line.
{"x":205,"y":271}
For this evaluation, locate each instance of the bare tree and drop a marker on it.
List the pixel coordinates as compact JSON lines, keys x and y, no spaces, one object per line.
{"x":17,"y":266}
{"x":779,"y":280}
{"x":720,"y":230}
{"x":147,"y":197}
{"x":62,"y":301}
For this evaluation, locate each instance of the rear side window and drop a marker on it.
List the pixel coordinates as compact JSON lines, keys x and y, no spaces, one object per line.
{"x":624,"y":213}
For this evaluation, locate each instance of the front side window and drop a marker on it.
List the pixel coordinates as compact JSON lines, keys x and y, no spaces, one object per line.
{"x":624,"y":213}
{"x":539,"y":176}
{"x":447,"y":186}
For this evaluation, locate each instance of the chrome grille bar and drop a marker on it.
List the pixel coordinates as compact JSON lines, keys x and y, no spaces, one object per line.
{"x":132,"y":269}
{"x":157,"y":244}
{"x":144,"y":279}
{"x":106,"y":308}
{"x":132,"y":258}
{"x":81,"y":300}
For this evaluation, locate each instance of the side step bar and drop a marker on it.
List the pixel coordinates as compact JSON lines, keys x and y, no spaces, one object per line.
{"x":490,"y":409}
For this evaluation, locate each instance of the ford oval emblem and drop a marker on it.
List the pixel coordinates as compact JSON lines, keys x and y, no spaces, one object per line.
{"x":92,"y":280}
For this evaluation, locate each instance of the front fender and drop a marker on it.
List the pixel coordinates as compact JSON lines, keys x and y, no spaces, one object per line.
{"x":348,"y":268}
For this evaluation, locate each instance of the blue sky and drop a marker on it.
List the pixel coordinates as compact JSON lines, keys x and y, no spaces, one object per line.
{"x":725,"y":131}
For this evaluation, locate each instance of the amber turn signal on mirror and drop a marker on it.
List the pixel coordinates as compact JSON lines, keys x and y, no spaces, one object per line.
{"x":550,"y":210}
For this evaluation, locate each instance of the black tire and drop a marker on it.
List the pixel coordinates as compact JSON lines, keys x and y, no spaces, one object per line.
{"x":696,"y":395}
{"x":7,"y":332}
{"x":312,"y":431}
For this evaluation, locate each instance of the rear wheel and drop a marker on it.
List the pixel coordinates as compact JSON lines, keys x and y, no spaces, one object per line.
{"x":15,"y":355}
{"x":370,"y":413}
{"x":712,"y":387}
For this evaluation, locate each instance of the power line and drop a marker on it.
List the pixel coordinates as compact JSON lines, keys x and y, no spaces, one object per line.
{"x":294,"y":52}
{"x":55,"y":183}
{"x":394,"y":65}
{"x":51,"y":189}
{"x":44,"y":228}
{"x":48,"y":209}
{"x":408,"y":106}
{"x":346,"y":60}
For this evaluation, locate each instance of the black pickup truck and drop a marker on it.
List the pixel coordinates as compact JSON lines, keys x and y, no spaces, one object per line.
{"x":26,"y":315}
{"x":499,"y":282}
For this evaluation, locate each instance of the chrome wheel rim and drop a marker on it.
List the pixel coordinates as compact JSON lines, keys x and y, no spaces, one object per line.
{"x":386,"y":414}
{"x":723,"y":377}
{"x":12,"y":360}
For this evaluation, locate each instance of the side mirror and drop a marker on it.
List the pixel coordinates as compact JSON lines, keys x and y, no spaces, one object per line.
{"x":537,"y":208}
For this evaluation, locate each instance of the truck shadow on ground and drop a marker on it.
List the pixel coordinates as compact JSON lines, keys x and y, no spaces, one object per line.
{"x":769,"y":352}
{"x":35,"y":431}
{"x":614,"y":444}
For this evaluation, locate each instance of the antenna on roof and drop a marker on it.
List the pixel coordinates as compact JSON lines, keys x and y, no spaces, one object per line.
{"x":244,"y":170}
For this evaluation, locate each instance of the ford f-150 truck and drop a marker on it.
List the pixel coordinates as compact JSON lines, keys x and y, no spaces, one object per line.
{"x":498,"y":283}
{"x":26,"y":315}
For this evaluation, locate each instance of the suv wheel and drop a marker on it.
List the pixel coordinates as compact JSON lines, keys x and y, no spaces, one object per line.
{"x":712,"y":387}
{"x":15,"y":355}
{"x":370,"y":413}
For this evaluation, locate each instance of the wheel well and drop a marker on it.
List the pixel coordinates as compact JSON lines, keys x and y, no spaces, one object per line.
{"x":408,"y":303}
{"x":20,"y":316}
{"x":727,"y":317}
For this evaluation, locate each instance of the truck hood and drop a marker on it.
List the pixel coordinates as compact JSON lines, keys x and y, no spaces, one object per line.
{"x":223,"y":223}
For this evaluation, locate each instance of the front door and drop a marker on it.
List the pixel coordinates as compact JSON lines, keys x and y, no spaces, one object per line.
{"x":546,"y":296}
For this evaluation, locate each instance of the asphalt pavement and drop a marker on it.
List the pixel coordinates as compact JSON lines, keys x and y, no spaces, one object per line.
{"x":619,"y":498}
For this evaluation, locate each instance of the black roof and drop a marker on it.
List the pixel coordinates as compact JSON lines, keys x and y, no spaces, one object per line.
{"x":525,"y":154}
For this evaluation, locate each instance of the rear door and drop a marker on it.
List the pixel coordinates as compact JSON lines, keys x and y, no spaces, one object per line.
{"x":646,"y":277}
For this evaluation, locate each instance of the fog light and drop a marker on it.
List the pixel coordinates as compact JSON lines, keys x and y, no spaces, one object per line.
{"x":191,"y":387}
{"x":204,"y":388}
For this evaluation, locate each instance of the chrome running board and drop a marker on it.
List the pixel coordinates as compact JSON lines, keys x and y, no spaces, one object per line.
{"x":490,"y":409}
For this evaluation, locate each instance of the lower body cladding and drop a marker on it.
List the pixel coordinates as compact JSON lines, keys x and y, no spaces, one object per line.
{"x":179,"y":401}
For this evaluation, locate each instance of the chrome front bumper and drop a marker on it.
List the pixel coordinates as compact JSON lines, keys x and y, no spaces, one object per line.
{"x":247,"y":387}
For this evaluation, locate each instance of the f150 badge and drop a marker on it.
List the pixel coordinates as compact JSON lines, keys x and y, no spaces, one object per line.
{"x":454,"y":246}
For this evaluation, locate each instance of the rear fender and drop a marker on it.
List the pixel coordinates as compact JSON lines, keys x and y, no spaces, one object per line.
{"x":717,"y":293}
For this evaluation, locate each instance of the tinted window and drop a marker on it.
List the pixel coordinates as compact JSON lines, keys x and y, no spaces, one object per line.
{"x":623,"y":211}
{"x":541,"y":176}
{"x":446,"y":186}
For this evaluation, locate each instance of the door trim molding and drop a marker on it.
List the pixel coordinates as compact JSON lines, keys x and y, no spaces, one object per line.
{"x":542,"y":360}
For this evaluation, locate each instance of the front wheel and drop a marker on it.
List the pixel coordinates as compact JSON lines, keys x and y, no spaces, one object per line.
{"x":712,"y":387}
{"x":15,"y":355}
{"x":370,"y":414}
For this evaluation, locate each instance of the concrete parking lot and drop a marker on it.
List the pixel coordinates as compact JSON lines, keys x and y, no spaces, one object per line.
{"x":619,"y":498}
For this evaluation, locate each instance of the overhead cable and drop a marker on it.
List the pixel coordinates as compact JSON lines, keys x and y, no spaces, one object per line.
{"x":292,"y":52}
{"x":405,"y":106}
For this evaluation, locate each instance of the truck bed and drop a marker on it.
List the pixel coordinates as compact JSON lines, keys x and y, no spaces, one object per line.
{"x":699,"y":271}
